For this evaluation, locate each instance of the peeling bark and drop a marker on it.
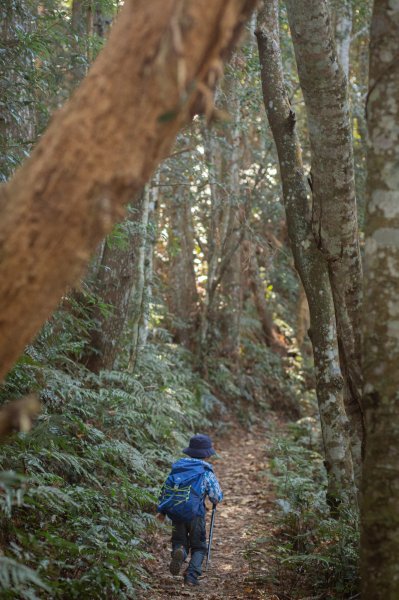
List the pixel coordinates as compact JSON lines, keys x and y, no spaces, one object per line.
{"x":309,"y":262}
{"x":380,"y":491}
{"x":157,"y":70}
{"x":324,"y":87}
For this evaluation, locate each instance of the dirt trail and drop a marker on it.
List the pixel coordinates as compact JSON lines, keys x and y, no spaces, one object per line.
{"x":246,"y":505}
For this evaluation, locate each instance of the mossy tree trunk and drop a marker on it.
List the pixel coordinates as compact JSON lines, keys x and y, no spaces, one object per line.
{"x":309,"y":262}
{"x":380,"y":493}
{"x":158,"y":69}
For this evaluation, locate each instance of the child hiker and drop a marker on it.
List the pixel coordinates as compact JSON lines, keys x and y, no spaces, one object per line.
{"x":182,"y":498}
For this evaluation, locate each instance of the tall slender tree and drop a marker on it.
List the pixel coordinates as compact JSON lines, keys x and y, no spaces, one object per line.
{"x":380,"y":494}
{"x":182,"y":292}
{"x":309,"y":261}
{"x":142,"y":277}
{"x":334,"y":214}
{"x":230,"y":176}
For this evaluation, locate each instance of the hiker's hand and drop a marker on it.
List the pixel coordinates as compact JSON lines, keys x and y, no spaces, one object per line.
{"x":160,"y":517}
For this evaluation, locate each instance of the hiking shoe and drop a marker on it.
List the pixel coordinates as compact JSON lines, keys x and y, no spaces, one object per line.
{"x":190,"y":580}
{"x":177,"y":561}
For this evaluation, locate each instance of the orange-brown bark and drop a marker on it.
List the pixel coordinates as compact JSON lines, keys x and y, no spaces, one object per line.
{"x":157,"y":70}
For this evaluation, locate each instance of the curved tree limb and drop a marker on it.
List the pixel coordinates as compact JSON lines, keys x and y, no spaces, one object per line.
{"x":158,"y":69}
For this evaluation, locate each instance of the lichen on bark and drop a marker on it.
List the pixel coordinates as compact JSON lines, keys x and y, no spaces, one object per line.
{"x":309,"y":262}
{"x":334,"y":215}
{"x":380,"y":490}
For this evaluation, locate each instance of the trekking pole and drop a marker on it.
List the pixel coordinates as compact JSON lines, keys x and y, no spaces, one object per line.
{"x":208,"y":558}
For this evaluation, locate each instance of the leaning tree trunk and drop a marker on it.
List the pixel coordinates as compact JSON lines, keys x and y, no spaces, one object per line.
{"x":159,"y":67}
{"x":380,"y":493}
{"x":324,"y":88}
{"x":308,"y":260}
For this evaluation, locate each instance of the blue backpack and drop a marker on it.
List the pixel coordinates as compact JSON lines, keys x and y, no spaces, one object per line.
{"x":181,"y":498}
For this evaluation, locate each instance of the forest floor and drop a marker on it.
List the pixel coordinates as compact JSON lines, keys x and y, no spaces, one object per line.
{"x":240,"y":519}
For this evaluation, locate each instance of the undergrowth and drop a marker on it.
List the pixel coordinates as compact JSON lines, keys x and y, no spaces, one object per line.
{"x":308,"y":552}
{"x":77,"y":493}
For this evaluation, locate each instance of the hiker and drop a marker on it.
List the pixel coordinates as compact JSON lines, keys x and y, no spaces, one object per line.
{"x":182,"y":499}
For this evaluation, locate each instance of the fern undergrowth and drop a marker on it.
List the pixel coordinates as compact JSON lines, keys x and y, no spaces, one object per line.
{"x":304,"y":551}
{"x":77,"y":493}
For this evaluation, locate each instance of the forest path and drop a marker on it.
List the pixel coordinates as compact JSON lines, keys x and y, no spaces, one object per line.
{"x":247,"y":503}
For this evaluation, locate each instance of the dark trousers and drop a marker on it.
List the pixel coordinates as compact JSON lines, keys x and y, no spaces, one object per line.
{"x":191,"y":536}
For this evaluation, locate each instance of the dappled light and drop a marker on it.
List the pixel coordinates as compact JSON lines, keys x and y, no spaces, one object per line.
{"x":199,"y":299}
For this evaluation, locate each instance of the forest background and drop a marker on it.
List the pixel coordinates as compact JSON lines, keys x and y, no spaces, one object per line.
{"x":230,"y":288}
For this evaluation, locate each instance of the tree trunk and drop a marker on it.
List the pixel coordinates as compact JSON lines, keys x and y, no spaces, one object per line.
{"x":230,"y":176}
{"x":308,"y":260}
{"x":213,"y":161}
{"x":182,"y":290}
{"x":143,"y":326}
{"x":79,"y":41}
{"x":302,"y":322}
{"x":157,"y":70}
{"x":113,"y":287}
{"x":324,"y":88}
{"x":380,"y":493}
{"x":342,"y":11}
{"x":137,"y":298}
{"x":258,"y":291}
